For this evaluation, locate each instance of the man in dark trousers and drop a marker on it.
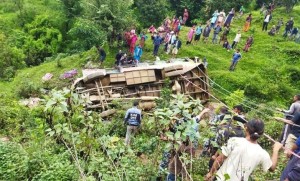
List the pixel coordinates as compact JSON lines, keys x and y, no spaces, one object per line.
{"x":294,"y":131}
{"x":132,"y":119}
{"x":267,"y":19}
{"x":118,"y":57}
{"x":156,"y":41}
{"x":288,"y":27}
{"x":102,"y":54}
{"x":235,"y":59}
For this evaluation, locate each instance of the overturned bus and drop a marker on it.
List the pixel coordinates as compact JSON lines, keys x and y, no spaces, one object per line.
{"x":143,"y":82}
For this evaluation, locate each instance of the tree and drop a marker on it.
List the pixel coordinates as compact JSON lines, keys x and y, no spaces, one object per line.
{"x":11,"y":58}
{"x":112,"y":16}
{"x":193,"y":7}
{"x":72,"y":9}
{"x":212,"y":5}
{"x":42,"y":40}
{"x":289,"y":4}
{"x":85,"y":34}
{"x":151,"y":12}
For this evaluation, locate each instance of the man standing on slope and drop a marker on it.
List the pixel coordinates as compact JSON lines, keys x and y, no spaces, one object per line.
{"x":288,"y":27}
{"x":267,"y":19}
{"x":235,"y":58}
{"x":132,"y":119}
{"x":289,"y":114}
{"x":157,"y":40}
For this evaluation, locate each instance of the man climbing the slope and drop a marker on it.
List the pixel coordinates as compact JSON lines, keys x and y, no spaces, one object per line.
{"x":289,"y":114}
{"x":240,"y":156}
{"x":132,"y":119}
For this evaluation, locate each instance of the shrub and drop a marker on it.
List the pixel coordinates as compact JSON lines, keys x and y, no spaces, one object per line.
{"x":58,"y":168}
{"x":27,"y":88}
{"x":12,"y":116}
{"x":13,"y":162}
{"x":9,"y":73}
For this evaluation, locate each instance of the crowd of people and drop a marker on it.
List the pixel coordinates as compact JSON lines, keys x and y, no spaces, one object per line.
{"x":219,"y":25}
{"x":233,"y":149}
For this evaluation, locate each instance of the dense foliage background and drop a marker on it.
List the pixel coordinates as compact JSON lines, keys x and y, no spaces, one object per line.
{"x":60,"y":140}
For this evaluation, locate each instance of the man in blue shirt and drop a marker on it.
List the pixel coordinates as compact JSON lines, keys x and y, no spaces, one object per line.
{"x":132,"y":119}
{"x":156,"y":41}
{"x":198,"y":33}
{"x":217,"y":30}
{"x":138,"y":51}
{"x":235,"y":58}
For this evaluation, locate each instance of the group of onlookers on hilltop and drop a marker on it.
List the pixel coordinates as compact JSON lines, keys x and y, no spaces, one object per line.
{"x":290,"y":31}
{"x":218,"y":25}
{"x":234,"y":147}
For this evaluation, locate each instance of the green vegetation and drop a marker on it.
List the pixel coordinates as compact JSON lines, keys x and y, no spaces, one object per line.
{"x":60,"y":140}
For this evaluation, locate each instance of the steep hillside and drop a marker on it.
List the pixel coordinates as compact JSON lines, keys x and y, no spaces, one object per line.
{"x":269,"y":72}
{"x":60,"y":140}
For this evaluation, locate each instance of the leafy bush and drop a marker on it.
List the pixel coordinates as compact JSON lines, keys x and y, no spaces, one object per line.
{"x":11,"y":58}
{"x":12,"y":116}
{"x":85,"y":34}
{"x":28,"y":88}
{"x":13,"y":162}
{"x":57,"y":167}
{"x":235,"y":98}
{"x":294,"y":75}
{"x":9,"y":73}
{"x":147,"y":11}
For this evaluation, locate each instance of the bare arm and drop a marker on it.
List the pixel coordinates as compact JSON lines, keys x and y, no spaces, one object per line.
{"x":284,"y":120}
{"x":294,"y":147}
{"x":206,"y":110}
{"x":277,"y":146}
{"x":216,"y":165}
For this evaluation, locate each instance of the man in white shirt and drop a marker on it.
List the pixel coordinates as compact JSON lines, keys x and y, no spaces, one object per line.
{"x":242,"y":155}
{"x":267,"y":19}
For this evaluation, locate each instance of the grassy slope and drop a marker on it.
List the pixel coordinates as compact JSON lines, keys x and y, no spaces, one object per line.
{"x":264,"y":56}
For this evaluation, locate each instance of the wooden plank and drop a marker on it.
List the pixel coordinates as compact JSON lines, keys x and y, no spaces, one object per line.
{"x":129,"y":75}
{"x":93,"y":76}
{"x":151,"y":73}
{"x":173,"y":68}
{"x":144,"y":73}
{"x":98,"y":90}
{"x":137,"y":80}
{"x":145,"y":79}
{"x":136,"y":74}
{"x":173,"y":73}
{"x":113,"y":75}
{"x":94,"y":98}
{"x":107,"y":113}
{"x":130,"y":81}
{"x":114,"y":79}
